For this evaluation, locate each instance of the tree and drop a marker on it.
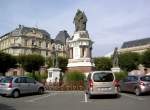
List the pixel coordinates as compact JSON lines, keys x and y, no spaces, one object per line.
{"x":62,"y":63}
{"x":6,"y":61}
{"x":49,"y":62}
{"x":31,"y":63}
{"x":145,"y":58}
{"x":129,"y":61}
{"x":102,"y":63}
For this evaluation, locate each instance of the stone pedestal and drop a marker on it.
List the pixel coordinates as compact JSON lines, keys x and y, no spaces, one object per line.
{"x":53,"y":75}
{"x":115,"y":69}
{"x":80,"y":53}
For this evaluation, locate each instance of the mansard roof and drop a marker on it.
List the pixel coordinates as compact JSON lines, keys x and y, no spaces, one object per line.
{"x":61,"y":37}
{"x":22,"y":30}
{"x":135,"y":43}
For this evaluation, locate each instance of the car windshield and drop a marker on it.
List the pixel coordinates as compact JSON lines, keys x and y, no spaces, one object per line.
{"x":6,"y":80}
{"x":145,"y":78}
{"x":103,"y":77}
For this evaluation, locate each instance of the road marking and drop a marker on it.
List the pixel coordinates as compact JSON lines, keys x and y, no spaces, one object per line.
{"x":133,"y":97}
{"x":42,"y":97}
{"x":85,"y":98}
{"x":53,"y":93}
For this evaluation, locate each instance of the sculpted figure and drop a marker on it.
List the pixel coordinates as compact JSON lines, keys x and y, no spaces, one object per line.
{"x":115,"y":58}
{"x":80,"y":20}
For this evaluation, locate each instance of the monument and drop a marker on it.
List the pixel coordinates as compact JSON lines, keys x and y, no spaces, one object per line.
{"x":80,"y":46}
{"x":115,"y":64}
{"x":54,"y":71}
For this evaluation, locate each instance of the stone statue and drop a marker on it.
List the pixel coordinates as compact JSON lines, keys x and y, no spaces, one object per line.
{"x":54,"y":57}
{"x":115,"y":58}
{"x":80,"y":20}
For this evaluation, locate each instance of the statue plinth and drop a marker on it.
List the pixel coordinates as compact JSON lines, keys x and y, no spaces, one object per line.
{"x":80,"y":47}
{"x":53,"y":75}
{"x":115,"y":69}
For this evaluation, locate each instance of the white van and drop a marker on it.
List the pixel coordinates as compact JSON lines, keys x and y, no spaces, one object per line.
{"x":101,"y":83}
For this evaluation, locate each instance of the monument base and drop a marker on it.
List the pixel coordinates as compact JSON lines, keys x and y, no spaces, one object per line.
{"x":53,"y":75}
{"x":83,"y":65}
{"x":83,"y":69}
{"x":115,"y":69}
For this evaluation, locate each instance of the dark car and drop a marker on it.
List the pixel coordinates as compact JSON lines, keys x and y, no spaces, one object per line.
{"x":135,"y":84}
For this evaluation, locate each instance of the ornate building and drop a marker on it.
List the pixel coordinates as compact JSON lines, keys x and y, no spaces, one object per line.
{"x":27,"y":40}
{"x":138,"y":46}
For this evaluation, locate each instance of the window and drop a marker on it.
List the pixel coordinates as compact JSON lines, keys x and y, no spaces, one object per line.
{"x":50,"y":74}
{"x":25,"y":42}
{"x":103,"y":77}
{"x":30,"y":80}
{"x":33,"y":43}
{"x":46,"y":45}
{"x":23,"y":80}
{"x":39,"y":43}
{"x":6,"y":80}
{"x":131,"y":78}
{"x":145,"y":78}
{"x":46,"y":53}
{"x":17,"y":80}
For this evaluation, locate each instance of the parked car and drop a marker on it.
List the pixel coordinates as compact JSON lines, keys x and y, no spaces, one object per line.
{"x":15,"y":86}
{"x":101,"y":83}
{"x":135,"y":84}
{"x":1,"y":77}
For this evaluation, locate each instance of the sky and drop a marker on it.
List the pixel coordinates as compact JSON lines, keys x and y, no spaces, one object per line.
{"x":110,"y":22}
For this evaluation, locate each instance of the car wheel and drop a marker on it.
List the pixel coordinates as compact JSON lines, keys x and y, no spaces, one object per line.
{"x":41,"y":91}
{"x":137,"y":91}
{"x":16,"y":94}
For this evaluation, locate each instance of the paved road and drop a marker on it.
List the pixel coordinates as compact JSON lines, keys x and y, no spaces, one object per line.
{"x":75,"y":101}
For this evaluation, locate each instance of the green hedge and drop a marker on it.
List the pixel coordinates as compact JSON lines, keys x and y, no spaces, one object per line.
{"x":120,"y":75}
{"x":74,"y":76}
{"x":37,"y":76}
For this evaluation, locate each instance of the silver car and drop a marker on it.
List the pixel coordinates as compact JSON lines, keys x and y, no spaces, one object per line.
{"x":135,"y":84}
{"x":15,"y":86}
{"x":101,"y":83}
{"x":1,"y":77}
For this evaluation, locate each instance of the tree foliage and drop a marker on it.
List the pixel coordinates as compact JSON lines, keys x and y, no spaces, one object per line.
{"x":49,"y":62}
{"x":129,"y":61}
{"x":145,"y":58}
{"x":6,"y":61}
{"x":62,"y":63}
{"x":31,"y":62}
{"x":120,"y":75}
{"x":102,"y":63}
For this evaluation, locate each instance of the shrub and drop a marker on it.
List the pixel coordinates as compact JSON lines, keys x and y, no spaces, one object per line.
{"x":103,"y":63}
{"x":37,"y":76}
{"x":129,"y":61}
{"x":120,"y":75}
{"x":74,"y":76}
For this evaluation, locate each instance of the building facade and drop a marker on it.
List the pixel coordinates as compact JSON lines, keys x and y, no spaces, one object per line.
{"x":27,"y":40}
{"x":137,"y":46}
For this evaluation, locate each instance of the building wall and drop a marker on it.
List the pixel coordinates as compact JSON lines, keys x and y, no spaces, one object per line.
{"x":137,"y":49}
{"x":31,"y":42}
